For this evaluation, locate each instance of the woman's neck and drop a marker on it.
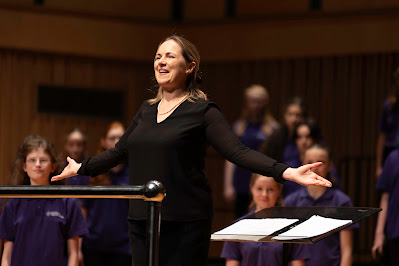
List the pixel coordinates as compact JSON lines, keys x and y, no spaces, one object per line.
{"x":169,"y":96}
{"x":316,"y":191}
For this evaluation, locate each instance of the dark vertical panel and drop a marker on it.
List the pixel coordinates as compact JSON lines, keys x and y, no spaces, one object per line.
{"x":231,"y":8}
{"x":177,"y":10}
{"x":315,"y":5}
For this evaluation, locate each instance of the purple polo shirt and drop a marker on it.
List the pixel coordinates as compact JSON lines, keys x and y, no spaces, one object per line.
{"x":389,"y":182}
{"x":389,"y":124}
{"x":326,"y":251}
{"x":252,"y":137}
{"x":40,"y":229}
{"x":291,"y":152}
{"x":261,"y":253}
{"x":107,"y":220}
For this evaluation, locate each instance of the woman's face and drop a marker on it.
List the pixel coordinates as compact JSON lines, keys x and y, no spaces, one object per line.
{"x":170,"y":67}
{"x":303,"y":140}
{"x":292,"y":116}
{"x":113,"y":136}
{"x":314,"y":155}
{"x":75,"y":146}
{"x":38,"y":167}
{"x":265,"y":192}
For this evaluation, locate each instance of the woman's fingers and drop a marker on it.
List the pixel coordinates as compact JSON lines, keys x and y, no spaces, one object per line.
{"x":313,"y":165}
{"x":56,"y":178}
{"x":70,"y":170}
{"x":322,"y":181}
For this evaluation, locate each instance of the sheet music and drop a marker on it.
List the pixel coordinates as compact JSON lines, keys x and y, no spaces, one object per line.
{"x":314,"y":226}
{"x":256,"y":227}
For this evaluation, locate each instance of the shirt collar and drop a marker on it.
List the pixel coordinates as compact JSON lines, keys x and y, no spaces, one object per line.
{"x":327,"y":195}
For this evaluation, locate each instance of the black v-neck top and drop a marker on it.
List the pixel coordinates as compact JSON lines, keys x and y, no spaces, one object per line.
{"x":173,"y":152}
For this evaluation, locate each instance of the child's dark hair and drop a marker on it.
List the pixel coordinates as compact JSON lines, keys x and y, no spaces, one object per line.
{"x":30,"y":143}
{"x":296,"y":100}
{"x":315,"y":131}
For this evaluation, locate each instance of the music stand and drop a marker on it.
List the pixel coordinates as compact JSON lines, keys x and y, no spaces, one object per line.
{"x":355,"y":214}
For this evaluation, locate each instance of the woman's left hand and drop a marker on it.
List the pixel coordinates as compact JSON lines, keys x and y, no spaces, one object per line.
{"x":305,"y":176}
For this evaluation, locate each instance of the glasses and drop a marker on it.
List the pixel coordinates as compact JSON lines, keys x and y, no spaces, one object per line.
{"x":40,"y":161}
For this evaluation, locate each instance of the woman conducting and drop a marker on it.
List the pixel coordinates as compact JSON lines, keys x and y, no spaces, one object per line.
{"x":167,"y":141}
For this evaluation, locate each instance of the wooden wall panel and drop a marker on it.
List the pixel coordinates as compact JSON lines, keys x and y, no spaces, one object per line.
{"x":79,"y":35}
{"x":150,"y":10}
{"x":203,"y":10}
{"x":21,"y":73}
{"x":343,"y":5}
{"x":256,"y":8}
{"x":218,"y":41}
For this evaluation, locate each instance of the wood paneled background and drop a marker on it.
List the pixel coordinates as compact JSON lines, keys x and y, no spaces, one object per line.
{"x":340,"y":61}
{"x":22,"y":72}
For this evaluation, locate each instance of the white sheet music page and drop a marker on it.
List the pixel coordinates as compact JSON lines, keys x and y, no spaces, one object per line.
{"x":314,"y":226}
{"x":254,"y":227}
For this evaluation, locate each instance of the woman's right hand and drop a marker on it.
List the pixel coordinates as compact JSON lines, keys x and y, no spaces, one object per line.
{"x":70,"y":170}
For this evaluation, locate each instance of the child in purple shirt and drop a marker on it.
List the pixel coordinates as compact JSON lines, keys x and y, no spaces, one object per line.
{"x":387,"y":229}
{"x":36,"y":231}
{"x":306,"y":134}
{"x":253,"y":127}
{"x":108,"y":240}
{"x":266,"y":193}
{"x":281,"y":144}
{"x":75,"y":147}
{"x":336,"y":249}
{"x":388,"y":136}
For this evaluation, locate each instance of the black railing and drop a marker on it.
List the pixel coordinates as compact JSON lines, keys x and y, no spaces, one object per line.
{"x":153,"y":192}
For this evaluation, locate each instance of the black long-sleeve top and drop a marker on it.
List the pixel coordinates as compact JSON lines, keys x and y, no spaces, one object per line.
{"x":173,"y":152}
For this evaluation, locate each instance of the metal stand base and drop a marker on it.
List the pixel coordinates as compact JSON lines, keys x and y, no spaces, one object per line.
{"x":153,"y":229}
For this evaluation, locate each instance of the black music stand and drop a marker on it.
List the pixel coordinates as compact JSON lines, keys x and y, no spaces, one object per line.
{"x":355,"y":214}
